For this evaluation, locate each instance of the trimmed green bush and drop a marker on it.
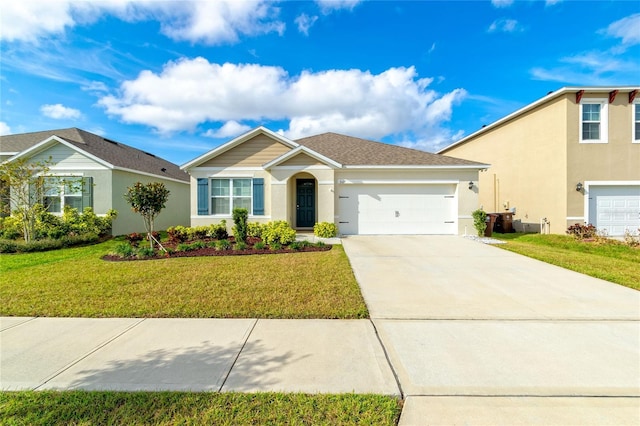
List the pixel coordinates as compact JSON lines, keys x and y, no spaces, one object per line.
{"x":123,"y":250}
{"x":278,"y":231}
{"x":240,"y":224}
{"x":479,"y":221}
{"x":8,"y":246}
{"x":219,"y":231}
{"x":254,"y":229}
{"x":260,"y":245}
{"x":325,"y":230}
{"x":223,"y":245}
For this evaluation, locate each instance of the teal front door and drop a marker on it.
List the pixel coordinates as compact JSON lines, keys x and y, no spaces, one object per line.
{"x":305,"y":203}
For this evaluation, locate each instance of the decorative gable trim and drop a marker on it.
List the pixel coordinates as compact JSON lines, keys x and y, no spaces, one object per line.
{"x":302,"y":149}
{"x":235,"y":142}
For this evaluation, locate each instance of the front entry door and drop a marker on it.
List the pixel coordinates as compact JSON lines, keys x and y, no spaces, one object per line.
{"x":305,"y":203}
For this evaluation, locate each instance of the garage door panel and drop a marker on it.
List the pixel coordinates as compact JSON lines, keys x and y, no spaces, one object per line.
{"x":615,"y":208}
{"x":398,"y":209}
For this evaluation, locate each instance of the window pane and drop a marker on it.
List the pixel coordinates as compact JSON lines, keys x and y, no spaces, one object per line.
{"x":74,"y":202}
{"x":242,"y":203}
{"x":591,"y":131}
{"x":242,"y":187}
{"x":638,"y":131}
{"x":220,"y":206}
{"x":220,"y":187}
{"x":53,"y":204}
{"x":591,"y":112}
{"x":637,"y":108}
{"x":73,"y":186}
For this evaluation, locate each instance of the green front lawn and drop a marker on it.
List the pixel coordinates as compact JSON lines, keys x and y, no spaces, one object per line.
{"x":75,"y":282}
{"x":170,"y":408}
{"x":612,"y":261}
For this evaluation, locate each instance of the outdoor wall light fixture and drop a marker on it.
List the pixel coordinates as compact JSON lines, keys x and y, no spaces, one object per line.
{"x":470,"y":184}
{"x":579,"y":187}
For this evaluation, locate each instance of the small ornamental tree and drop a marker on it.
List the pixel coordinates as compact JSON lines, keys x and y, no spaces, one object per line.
{"x":479,"y":221}
{"x":22,"y":184}
{"x":148,"y":200}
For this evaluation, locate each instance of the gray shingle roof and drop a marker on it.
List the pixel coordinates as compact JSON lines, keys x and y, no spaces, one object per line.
{"x":115,"y":153}
{"x":351,"y":151}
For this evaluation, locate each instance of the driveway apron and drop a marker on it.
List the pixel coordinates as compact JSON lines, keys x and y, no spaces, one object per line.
{"x":492,"y":330}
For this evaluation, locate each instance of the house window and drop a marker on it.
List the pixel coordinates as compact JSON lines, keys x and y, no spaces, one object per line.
{"x":61,"y":191}
{"x":593,"y":121}
{"x":229,"y":194}
{"x":636,"y":122}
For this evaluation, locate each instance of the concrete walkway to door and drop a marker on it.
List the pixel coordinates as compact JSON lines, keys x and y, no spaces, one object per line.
{"x":479,"y":335}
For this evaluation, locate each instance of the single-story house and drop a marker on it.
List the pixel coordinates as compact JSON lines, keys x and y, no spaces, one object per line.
{"x":364,"y":187}
{"x":572,"y":156}
{"x":103,"y":169}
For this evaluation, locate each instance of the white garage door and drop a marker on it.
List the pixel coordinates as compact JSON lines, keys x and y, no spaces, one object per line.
{"x":615,"y":208}
{"x":398,"y":209}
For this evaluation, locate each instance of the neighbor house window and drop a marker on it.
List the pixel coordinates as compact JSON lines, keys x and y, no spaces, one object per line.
{"x":62,"y":191}
{"x":636,"y":122}
{"x":229,"y":194}
{"x":593,"y":121}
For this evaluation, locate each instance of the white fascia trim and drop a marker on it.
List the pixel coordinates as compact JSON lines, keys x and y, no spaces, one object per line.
{"x":302,"y":168}
{"x":138,"y":172}
{"x":302,"y":149}
{"x":326,"y":182}
{"x":534,"y":105}
{"x":575,"y":218}
{"x":231,"y":169}
{"x":452,"y":167}
{"x":235,"y":142}
{"x":52,"y":140}
{"x":396,"y":182}
{"x":223,"y":216}
{"x":96,"y":167}
{"x":227,"y":174}
{"x":589,"y":183}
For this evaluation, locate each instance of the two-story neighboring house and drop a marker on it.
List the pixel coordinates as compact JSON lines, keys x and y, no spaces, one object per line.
{"x":571,"y":157}
{"x":100,"y":170}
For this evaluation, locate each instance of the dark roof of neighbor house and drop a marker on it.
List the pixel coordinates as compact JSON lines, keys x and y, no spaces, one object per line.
{"x":352,"y":151}
{"x":115,"y":153}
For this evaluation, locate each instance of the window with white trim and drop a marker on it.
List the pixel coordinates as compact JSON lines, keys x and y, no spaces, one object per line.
{"x":61,"y":191}
{"x":636,"y":122}
{"x":230,"y":193}
{"x":593,"y":121}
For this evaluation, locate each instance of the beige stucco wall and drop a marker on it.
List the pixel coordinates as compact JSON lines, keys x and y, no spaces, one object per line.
{"x":528,"y":166}
{"x":175,"y":213}
{"x":617,"y":160}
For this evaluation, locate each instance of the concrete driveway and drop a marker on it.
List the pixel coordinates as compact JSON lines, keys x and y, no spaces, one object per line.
{"x":479,"y":335}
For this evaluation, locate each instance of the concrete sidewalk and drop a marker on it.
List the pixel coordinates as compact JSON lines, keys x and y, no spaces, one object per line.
{"x":247,"y":355}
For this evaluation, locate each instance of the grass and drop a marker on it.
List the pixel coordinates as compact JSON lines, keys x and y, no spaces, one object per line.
{"x":609,"y":260}
{"x":170,"y":408}
{"x":75,"y":282}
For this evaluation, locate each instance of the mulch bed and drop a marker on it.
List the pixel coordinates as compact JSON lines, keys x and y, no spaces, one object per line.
{"x":210,"y":251}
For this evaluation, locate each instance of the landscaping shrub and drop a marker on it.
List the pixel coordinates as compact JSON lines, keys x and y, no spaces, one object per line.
{"x":479,"y":221}
{"x":275,"y":246}
{"x":177,"y":234}
{"x":219,"y":231}
{"x":278,"y":231}
{"x":260,"y":245}
{"x":41,"y":245}
{"x":145,"y":252}
{"x":254,"y":229}
{"x":240,"y":245}
{"x":223,"y":245}
{"x":10,"y":227}
{"x":134,"y":238}
{"x":325,"y":230}
{"x":198,"y":232}
{"x":240,"y":224}
{"x":183,"y":247}
{"x":632,"y":239}
{"x":8,"y":246}
{"x":582,"y":232}
{"x":123,"y":250}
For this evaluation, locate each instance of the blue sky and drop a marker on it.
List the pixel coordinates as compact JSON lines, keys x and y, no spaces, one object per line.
{"x":177,"y":78}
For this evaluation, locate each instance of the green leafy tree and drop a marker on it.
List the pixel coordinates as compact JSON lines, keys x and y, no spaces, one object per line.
{"x":148,"y":200}
{"x":479,"y":221}
{"x":22,"y":184}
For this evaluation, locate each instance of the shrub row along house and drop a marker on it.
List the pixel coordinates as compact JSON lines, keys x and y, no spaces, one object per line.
{"x":571,"y":157}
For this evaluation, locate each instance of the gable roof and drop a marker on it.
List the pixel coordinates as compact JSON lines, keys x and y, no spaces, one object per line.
{"x":111,"y":153}
{"x":533,"y":105}
{"x":352,"y":151}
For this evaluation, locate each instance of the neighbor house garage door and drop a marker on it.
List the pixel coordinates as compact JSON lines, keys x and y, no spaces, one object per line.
{"x":615,"y":208}
{"x":398,"y":209}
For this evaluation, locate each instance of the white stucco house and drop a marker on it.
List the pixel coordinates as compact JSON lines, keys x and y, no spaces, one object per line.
{"x":365,"y":187}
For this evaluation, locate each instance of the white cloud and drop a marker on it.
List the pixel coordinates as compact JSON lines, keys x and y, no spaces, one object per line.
{"x":229,"y":129}
{"x":4,"y":128}
{"x":628,"y":29}
{"x":210,"y":22}
{"x":305,"y":22}
{"x":60,"y":112}
{"x":328,"y":6}
{"x":501,"y":3}
{"x":357,"y":102}
{"x":505,"y":25}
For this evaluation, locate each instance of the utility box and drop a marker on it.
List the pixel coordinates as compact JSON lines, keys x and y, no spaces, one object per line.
{"x":504,"y":223}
